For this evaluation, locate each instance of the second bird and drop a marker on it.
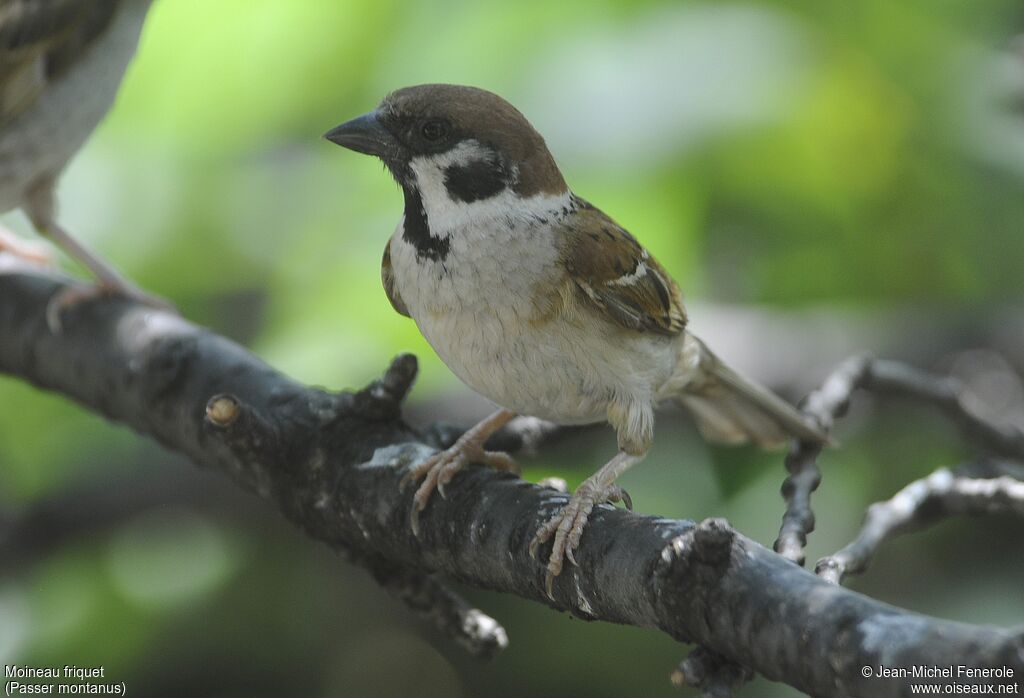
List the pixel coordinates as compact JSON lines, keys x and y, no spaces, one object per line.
{"x":538,"y":300}
{"x":61,"y":64}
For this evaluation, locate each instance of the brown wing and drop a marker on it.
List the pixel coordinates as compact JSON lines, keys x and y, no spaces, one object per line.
{"x":39,"y":40}
{"x":387,"y":275}
{"x":615,"y":274}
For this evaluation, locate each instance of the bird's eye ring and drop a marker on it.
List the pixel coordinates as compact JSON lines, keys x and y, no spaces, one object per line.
{"x":434,"y":130}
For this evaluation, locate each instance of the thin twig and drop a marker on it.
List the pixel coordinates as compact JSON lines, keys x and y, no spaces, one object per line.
{"x":824,"y":406}
{"x":475,"y":631}
{"x":942,"y":494}
{"x":887,"y":378}
{"x":716,"y":676}
{"x":946,"y":393}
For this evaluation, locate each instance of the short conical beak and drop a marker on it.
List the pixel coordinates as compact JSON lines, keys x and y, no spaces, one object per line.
{"x":363,"y":134}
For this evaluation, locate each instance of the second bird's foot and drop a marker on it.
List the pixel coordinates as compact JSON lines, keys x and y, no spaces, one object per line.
{"x":72,"y":296}
{"x":438,"y":470}
{"x":567,"y":526}
{"x":35,"y":253}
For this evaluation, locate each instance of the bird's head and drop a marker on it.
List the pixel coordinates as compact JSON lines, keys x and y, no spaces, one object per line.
{"x":454,"y":144}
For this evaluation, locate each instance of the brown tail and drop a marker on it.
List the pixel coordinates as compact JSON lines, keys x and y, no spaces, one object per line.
{"x":731,"y":409}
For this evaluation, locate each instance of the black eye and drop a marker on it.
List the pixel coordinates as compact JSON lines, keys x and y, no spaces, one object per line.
{"x":434,"y":130}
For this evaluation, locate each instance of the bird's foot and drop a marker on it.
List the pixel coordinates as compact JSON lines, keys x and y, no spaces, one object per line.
{"x":36,"y":253}
{"x":72,"y":296}
{"x":438,"y":470}
{"x":567,"y":525}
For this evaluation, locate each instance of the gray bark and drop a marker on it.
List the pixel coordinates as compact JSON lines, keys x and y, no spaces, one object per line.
{"x":331,"y":463}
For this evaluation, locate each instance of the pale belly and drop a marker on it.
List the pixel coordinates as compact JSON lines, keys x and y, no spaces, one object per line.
{"x":560,"y":370}
{"x":532,"y":372}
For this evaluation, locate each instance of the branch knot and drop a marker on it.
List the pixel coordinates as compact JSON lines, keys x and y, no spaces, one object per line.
{"x":382,"y":399}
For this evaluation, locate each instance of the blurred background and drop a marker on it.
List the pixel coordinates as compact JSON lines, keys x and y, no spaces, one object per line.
{"x":823,"y":179}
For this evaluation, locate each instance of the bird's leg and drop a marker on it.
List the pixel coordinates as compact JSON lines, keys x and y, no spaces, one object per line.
{"x":567,"y":525}
{"x":32,"y":252}
{"x":39,"y":205}
{"x":438,"y":470}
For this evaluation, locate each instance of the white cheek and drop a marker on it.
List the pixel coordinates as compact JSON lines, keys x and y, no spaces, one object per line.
{"x":429,"y":173}
{"x":505,"y":210}
{"x":443,"y":213}
{"x":447,"y":217}
{"x":429,"y":169}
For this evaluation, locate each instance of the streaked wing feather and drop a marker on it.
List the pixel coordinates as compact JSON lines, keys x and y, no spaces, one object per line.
{"x":618,"y":276}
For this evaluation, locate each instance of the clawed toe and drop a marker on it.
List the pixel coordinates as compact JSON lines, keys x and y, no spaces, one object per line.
{"x":617,"y":494}
{"x":544,"y":534}
{"x":570,"y":557}
{"x":436,"y":472}
{"x":419,"y":471}
{"x":567,"y":527}
{"x":501,"y":461}
{"x":419,"y":503}
{"x":431,"y":471}
{"x":447,"y":471}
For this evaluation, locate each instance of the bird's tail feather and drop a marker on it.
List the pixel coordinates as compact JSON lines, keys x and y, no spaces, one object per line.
{"x":730,"y":409}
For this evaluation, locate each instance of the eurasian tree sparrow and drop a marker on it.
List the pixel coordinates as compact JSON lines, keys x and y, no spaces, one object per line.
{"x":61,"y":63}
{"x":538,"y":300}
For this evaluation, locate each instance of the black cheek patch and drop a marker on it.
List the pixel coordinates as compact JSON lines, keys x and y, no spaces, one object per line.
{"x":476,"y":180}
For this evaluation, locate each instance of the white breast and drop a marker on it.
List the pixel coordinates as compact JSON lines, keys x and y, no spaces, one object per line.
{"x":42,"y":139}
{"x":477,"y":308}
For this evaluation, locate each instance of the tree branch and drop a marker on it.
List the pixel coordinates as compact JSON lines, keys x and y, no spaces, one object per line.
{"x":832,"y":399}
{"x":942,"y":494}
{"x":331,"y":462}
{"x":716,"y":676}
{"x":824,"y":406}
{"x":947,"y":394}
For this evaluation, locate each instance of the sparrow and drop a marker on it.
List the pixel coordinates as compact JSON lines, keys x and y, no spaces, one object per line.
{"x":61,"y":64}
{"x":539,"y":301}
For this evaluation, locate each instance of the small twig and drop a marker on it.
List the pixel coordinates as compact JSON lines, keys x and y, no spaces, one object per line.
{"x":478,"y":633}
{"x":716,"y":676}
{"x":942,"y":494}
{"x":829,"y":402}
{"x":428,"y":596}
{"x":382,"y":399}
{"x":946,"y":393}
{"x":824,"y":406}
{"x":950,"y":494}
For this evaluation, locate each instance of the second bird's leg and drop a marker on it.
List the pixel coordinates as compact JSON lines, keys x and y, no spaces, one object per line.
{"x":567,"y":525}
{"x":438,"y":470}
{"x":39,"y":206}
